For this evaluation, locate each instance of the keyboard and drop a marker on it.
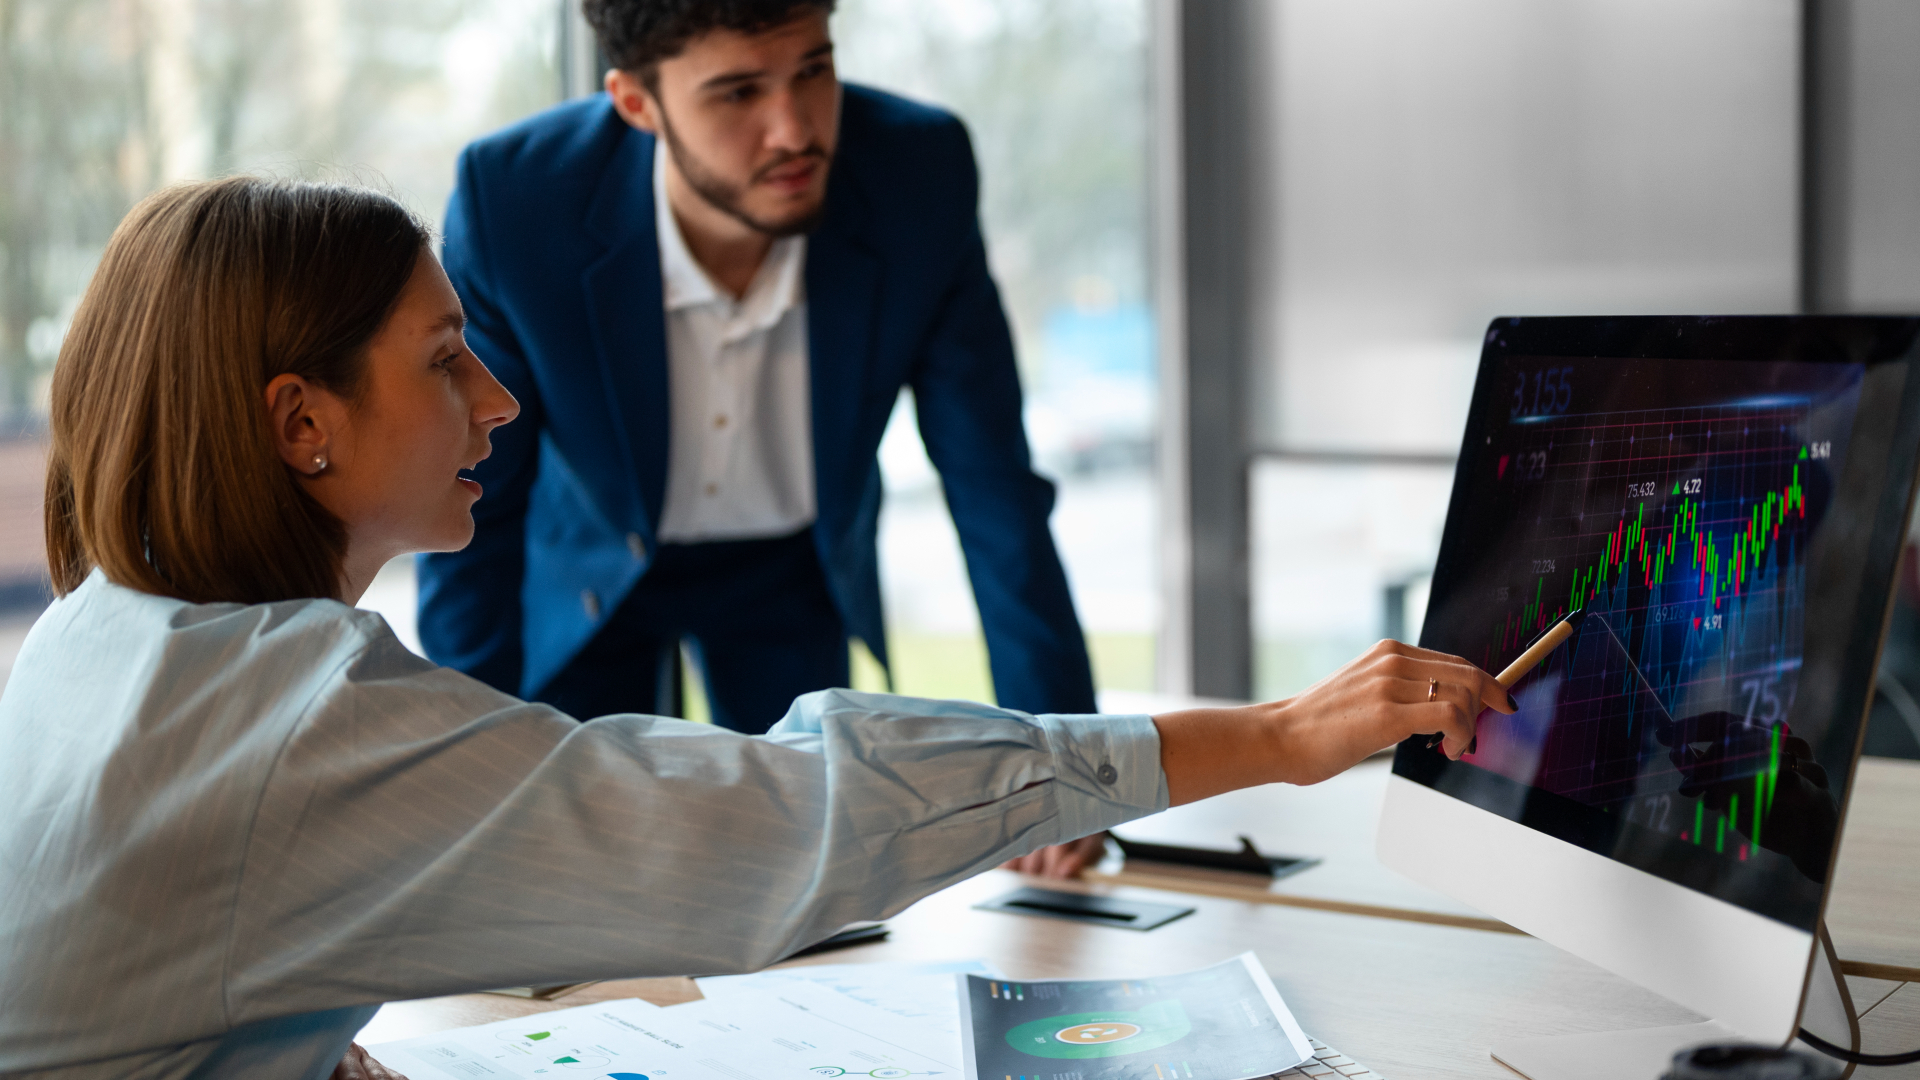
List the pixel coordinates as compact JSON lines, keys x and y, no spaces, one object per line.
{"x":1328,"y":1064}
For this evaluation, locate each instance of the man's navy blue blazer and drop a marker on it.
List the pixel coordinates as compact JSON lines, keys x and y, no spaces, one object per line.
{"x":550,"y":242}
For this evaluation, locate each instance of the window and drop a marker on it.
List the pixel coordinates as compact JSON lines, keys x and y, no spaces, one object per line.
{"x":103,"y":108}
{"x":1055,"y":96}
{"x":106,"y":101}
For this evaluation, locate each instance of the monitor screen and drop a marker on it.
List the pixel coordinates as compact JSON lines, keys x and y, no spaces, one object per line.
{"x":1704,"y":501}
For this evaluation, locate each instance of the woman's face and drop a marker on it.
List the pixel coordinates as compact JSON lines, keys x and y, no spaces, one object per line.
{"x":394,"y":458}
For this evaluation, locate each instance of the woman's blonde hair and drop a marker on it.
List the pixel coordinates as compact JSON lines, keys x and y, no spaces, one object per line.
{"x":164,"y":472}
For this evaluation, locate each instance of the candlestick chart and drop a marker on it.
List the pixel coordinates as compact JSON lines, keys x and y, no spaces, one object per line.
{"x":1679,"y":536}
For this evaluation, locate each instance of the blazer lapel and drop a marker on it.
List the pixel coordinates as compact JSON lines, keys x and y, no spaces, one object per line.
{"x":625,"y":303}
{"x":843,"y":293}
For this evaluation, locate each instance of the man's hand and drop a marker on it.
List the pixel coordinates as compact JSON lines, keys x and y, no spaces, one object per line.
{"x":358,"y":1065}
{"x":1390,"y":692}
{"x":1061,"y":860}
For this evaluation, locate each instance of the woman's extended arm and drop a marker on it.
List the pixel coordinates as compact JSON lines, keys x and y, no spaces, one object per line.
{"x":422,"y":834}
{"x":1374,"y":702}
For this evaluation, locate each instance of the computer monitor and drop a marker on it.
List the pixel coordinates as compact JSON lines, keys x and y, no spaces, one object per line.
{"x":1722,"y":500}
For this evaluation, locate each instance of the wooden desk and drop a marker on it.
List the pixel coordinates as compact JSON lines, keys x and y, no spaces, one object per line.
{"x":1406,"y":999}
{"x":1874,"y":914}
{"x":1334,"y":821}
{"x":1890,"y":1025}
{"x":1874,"y":910}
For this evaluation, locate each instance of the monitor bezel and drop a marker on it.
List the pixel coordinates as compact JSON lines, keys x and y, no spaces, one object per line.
{"x":1577,"y":898}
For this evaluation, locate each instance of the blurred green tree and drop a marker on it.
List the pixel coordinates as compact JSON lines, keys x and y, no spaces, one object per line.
{"x":102,"y":101}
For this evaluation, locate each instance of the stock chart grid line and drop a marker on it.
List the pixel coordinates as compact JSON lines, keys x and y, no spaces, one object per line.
{"x":1609,"y":471}
{"x":1680,"y":528}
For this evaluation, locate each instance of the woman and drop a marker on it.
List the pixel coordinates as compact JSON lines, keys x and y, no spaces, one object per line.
{"x":243,"y":816}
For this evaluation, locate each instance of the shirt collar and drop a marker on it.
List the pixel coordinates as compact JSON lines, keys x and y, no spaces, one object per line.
{"x":777,"y":286}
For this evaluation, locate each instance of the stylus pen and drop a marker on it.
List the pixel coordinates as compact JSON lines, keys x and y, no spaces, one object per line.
{"x":1555,"y":636}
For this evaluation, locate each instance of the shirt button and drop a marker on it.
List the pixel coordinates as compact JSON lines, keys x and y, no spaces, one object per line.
{"x":591,"y":602}
{"x":636,"y":545}
{"x":1107,"y":773}
{"x":713,"y":489}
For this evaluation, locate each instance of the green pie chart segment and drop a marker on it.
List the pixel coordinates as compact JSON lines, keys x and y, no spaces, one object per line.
{"x":1103,"y":1034}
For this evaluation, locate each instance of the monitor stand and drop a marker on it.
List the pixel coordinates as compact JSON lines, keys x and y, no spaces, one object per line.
{"x":1646,"y":1053}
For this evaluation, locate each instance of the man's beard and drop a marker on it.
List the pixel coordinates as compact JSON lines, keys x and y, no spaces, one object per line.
{"x":726,"y":197}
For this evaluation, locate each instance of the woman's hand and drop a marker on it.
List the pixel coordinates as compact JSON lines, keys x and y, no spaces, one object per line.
{"x":359,"y":1065}
{"x":1390,"y":692}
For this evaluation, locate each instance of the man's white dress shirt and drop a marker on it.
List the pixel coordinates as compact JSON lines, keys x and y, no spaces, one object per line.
{"x":740,"y":459}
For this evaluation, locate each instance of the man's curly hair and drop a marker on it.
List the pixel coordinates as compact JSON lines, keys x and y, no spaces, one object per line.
{"x":636,"y":35}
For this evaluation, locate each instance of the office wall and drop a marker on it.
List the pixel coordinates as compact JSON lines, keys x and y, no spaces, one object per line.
{"x":1422,"y":167}
{"x":1870,"y":156}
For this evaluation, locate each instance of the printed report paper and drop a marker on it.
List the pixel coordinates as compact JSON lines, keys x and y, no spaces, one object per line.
{"x":594,"y":1042}
{"x":1225,"y":1022}
{"x":809,"y":1032}
{"x":801,"y":1031}
{"x":901,"y":991}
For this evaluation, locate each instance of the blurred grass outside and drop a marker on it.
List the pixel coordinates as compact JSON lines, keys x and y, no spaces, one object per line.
{"x":955,"y":666}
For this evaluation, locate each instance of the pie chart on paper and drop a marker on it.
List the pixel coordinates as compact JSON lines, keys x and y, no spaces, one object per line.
{"x":624,"y":1076}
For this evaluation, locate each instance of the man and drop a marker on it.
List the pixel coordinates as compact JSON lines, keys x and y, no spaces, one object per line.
{"x":706,"y":288}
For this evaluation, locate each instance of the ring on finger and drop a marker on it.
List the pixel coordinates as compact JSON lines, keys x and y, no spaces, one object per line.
{"x":1433,"y":689}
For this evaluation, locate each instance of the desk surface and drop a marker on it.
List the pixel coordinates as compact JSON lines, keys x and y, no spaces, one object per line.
{"x":1874,"y":914}
{"x":1406,"y":999}
{"x":1372,"y":988}
{"x":1874,"y":910}
{"x":1333,"y":821}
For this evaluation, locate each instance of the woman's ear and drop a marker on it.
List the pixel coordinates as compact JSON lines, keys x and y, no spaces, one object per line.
{"x":305,"y":421}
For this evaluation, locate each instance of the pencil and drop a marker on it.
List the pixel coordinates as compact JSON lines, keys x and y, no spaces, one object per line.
{"x":1536,"y":652}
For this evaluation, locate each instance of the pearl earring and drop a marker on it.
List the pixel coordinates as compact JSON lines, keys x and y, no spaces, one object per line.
{"x":319,"y":463}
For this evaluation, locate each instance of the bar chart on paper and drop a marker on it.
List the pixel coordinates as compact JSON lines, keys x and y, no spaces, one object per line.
{"x":606,"y":1041}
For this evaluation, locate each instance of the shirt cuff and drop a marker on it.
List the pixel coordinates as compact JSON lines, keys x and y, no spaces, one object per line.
{"x":1106,"y":771}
